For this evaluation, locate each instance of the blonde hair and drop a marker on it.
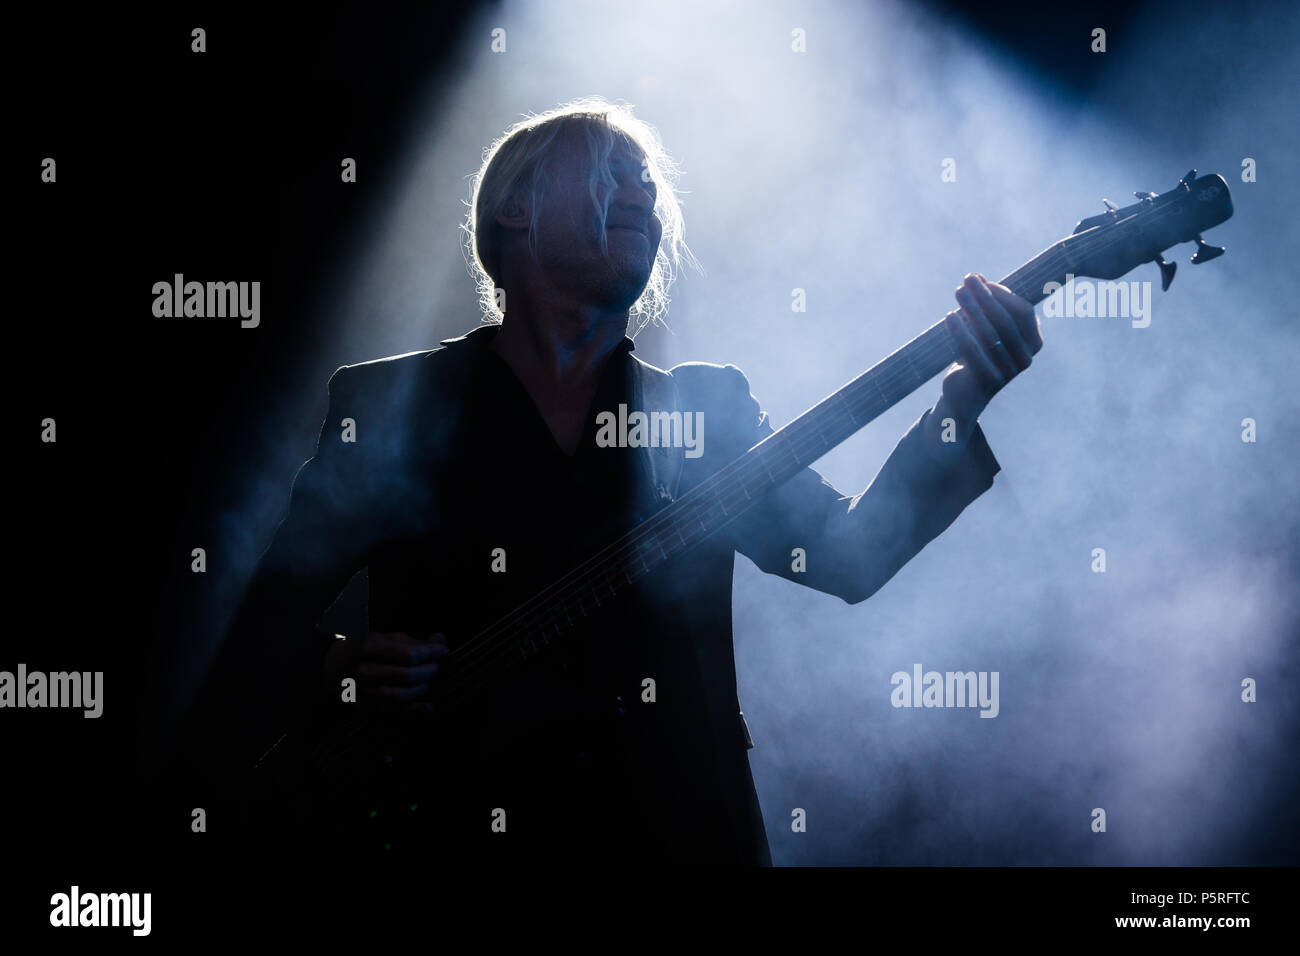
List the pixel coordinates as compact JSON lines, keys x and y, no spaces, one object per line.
{"x":517,"y":164}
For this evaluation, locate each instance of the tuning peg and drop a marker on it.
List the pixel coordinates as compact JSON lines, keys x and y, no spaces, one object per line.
{"x":1167,"y":270}
{"x":1145,"y":195}
{"x":1187,"y":180}
{"x":1205,"y":252}
{"x":1110,"y":206}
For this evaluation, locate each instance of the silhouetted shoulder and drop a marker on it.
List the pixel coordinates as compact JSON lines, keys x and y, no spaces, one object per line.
{"x":733,"y":418}
{"x":389,"y":400}
{"x":723,"y":389}
{"x":402,"y":378}
{"x":376,"y":372}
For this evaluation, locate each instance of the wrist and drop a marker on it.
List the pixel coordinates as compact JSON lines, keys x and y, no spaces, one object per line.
{"x":949,"y":428}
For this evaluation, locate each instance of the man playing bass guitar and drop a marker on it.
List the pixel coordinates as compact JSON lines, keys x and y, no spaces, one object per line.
{"x":466,"y":480}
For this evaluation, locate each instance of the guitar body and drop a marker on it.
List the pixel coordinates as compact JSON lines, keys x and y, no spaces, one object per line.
{"x":388,"y":782}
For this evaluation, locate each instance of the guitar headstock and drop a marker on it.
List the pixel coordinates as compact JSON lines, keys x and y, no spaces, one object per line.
{"x":1108,"y":245}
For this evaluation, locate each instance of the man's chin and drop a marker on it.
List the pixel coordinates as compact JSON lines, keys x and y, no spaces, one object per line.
{"x":616,"y":301}
{"x":626,"y":286}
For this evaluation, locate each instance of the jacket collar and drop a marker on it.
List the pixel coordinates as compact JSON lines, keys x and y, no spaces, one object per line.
{"x":483,"y":334}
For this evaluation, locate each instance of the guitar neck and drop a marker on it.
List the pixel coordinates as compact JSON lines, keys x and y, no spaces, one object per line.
{"x":727,"y":493}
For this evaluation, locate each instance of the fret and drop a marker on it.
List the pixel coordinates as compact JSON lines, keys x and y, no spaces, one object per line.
{"x":822,"y":435}
{"x":737,"y":507}
{"x":848,"y":406}
{"x":1050,"y":265}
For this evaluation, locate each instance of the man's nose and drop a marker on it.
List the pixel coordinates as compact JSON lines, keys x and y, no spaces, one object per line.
{"x":633,"y":197}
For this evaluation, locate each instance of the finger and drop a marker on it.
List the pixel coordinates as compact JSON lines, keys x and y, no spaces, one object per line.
{"x":986,"y":336}
{"x":973,"y":355}
{"x":400,"y":649}
{"x":992,"y":326}
{"x":441,"y":649}
{"x":374,"y":675}
{"x":1008,"y":330}
{"x":1022,"y":311}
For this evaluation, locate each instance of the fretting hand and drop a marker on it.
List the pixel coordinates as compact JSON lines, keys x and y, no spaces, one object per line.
{"x":998,"y":336}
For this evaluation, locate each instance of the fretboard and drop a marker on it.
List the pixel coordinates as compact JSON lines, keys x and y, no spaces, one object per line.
{"x":713,"y":503}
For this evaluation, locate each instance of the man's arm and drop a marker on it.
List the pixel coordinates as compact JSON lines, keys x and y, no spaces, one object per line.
{"x":853,"y":545}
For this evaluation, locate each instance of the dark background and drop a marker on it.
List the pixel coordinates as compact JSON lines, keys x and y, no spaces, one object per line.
{"x":217,"y":166}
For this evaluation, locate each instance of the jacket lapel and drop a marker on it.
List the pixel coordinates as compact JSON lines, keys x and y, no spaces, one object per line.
{"x":653,"y":390}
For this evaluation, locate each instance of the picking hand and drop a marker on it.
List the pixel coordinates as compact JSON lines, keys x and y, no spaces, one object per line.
{"x":393,"y":670}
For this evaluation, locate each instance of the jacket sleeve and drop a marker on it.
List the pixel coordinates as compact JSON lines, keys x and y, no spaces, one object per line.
{"x":269,"y":664}
{"x":852,"y":545}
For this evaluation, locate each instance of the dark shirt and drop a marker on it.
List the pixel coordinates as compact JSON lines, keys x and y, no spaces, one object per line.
{"x":452,"y":462}
{"x":569,"y":767}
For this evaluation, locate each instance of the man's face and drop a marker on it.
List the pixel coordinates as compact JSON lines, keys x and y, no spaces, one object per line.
{"x":568,"y":230}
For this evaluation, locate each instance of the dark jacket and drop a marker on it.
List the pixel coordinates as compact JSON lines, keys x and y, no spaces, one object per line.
{"x":401,"y":498}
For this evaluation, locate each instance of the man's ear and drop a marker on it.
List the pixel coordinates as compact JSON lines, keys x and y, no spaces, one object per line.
{"x":515,"y":213}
